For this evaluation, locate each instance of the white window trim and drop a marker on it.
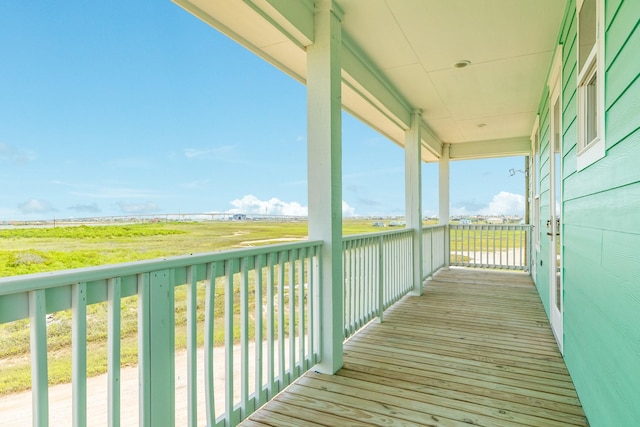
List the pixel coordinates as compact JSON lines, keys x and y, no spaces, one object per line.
{"x":595,"y":150}
{"x":535,"y":133}
{"x":533,"y":174}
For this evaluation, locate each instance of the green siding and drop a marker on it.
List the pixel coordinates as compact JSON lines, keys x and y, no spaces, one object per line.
{"x":601,"y":227}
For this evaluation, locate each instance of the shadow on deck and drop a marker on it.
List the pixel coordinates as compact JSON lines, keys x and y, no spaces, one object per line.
{"x":475,"y":349}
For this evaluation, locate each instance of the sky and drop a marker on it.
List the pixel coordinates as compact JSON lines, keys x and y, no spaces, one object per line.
{"x":112,"y":108}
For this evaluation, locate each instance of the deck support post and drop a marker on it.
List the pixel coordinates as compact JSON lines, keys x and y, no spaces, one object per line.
{"x":413,"y":193}
{"x":324,"y":110}
{"x":443,"y":208}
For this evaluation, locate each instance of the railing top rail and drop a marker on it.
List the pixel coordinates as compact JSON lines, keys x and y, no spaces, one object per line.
{"x":375,"y":234}
{"x":490,"y":225}
{"x":433,"y":226}
{"x":29,"y":282}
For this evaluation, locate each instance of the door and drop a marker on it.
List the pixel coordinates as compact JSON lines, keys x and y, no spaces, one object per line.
{"x":554,"y":224}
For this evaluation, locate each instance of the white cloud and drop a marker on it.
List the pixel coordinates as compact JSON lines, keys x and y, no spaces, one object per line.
{"x":505,"y":203}
{"x":250,"y":204}
{"x":35,"y":206}
{"x":197,"y":184}
{"x":209,"y":153}
{"x":13,"y":154}
{"x":347,"y":211}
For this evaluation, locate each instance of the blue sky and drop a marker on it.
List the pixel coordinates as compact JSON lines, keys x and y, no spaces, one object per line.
{"x":121,"y":108}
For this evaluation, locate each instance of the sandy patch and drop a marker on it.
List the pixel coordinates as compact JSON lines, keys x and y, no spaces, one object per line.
{"x":250,"y":243}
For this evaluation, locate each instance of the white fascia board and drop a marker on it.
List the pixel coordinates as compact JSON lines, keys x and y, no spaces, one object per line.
{"x":292,"y":18}
{"x":205,"y":17}
{"x":430,"y":141}
{"x":491,"y":148}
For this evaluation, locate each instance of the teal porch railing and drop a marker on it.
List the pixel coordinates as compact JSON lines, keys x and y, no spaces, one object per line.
{"x":254,"y":312}
{"x":282,"y":281}
{"x":496,"y":246}
{"x":377,"y":272}
{"x":434,"y":254}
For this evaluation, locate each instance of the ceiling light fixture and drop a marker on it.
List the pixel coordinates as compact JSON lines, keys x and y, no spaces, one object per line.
{"x":462,"y":63}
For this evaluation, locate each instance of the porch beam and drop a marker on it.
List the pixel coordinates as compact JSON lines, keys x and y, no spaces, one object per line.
{"x":491,"y":148}
{"x":430,"y":141}
{"x":374,"y":86}
{"x":413,"y":193}
{"x":443,"y":204}
{"x":324,"y":110}
{"x":293,"y":19}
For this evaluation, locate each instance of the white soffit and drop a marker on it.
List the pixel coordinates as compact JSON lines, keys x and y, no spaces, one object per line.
{"x":407,"y":49}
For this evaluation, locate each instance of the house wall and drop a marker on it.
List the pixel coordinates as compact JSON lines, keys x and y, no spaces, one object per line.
{"x":601,"y":227}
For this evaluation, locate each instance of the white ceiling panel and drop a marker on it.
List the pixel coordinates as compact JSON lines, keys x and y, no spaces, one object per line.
{"x":424,"y":93}
{"x":492,"y":88}
{"x":405,"y":51}
{"x":370,"y":24}
{"x":443,"y":32}
{"x":495,"y":127}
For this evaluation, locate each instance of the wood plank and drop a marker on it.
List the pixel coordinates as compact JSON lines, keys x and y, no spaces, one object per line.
{"x":475,"y":327}
{"x":417,"y":355}
{"x":481,"y":405}
{"x":475,"y":348}
{"x":355,"y":409}
{"x":497,"y":359}
{"x":455,"y":326}
{"x":374,"y":412}
{"x":458,"y":331}
{"x":452,"y":389}
{"x":479,"y":377}
{"x":301,"y":416}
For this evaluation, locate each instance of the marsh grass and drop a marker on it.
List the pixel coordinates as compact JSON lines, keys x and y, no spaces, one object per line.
{"x":39,"y":250}
{"x":28,"y":251}
{"x":486,"y":240}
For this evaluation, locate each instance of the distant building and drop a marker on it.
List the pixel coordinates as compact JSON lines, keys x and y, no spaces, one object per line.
{"x":496,"y":220}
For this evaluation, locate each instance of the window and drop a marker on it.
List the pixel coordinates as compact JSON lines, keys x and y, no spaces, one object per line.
{"x":590,"y":82}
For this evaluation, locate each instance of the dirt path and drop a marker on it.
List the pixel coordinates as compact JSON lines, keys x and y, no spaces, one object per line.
{"x":15,"y":409}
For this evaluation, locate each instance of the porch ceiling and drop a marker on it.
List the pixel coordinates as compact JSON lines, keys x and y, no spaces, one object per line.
{"x":400,"y":54}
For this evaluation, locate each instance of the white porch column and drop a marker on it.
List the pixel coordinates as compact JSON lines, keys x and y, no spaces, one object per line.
{"x":443,"y":205}
{"x":324,"y":109}
{"x":413,"y":194}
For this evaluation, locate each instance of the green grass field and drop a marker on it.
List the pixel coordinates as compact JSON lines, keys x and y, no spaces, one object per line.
{"x":34,"y":250}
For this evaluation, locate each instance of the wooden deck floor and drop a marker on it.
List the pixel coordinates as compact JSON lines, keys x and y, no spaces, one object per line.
{"x":475,"y":349}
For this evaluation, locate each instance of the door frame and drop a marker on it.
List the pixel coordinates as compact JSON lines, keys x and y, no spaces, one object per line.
{"x":554,"y":225}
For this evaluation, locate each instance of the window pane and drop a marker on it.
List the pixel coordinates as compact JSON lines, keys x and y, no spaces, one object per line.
{"x":586,"y":30}
{"x":591,"y":109}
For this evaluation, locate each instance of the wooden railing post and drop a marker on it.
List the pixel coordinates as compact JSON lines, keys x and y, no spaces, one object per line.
{"x":79,"y":353}
{"x":113,"y":351}
{"x":39,"y":369}
{"x":157,"y":346}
